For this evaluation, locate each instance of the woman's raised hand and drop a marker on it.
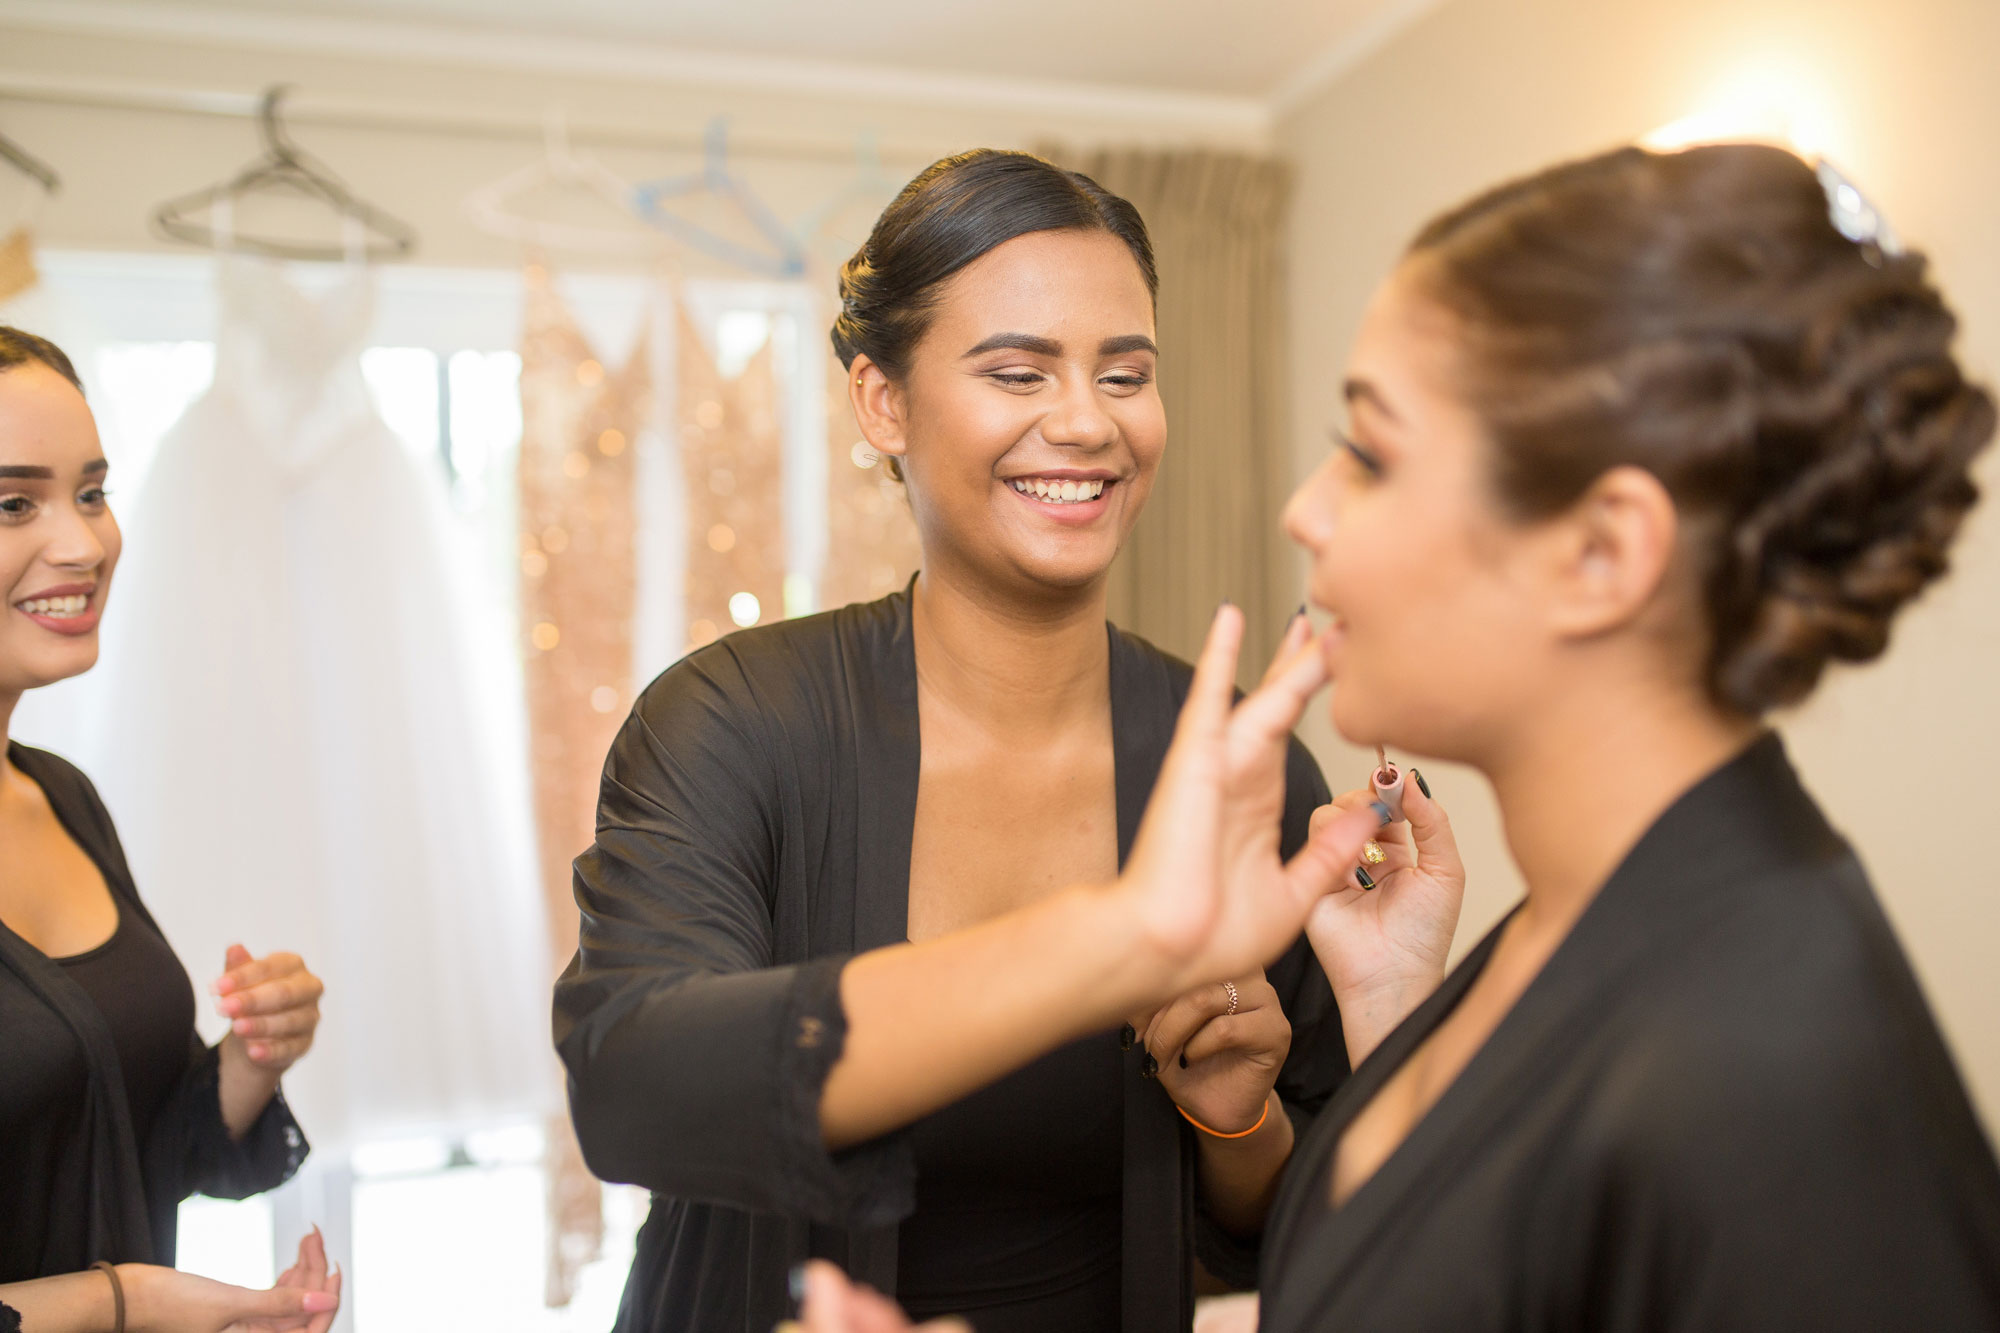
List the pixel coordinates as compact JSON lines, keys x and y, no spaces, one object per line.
{"x":1384,"y":949}
{"x":272,"y":1004}
{"x":1207,"y":889}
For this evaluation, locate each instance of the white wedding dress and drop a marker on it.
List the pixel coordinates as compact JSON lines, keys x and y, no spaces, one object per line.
{"x":306,"y":742}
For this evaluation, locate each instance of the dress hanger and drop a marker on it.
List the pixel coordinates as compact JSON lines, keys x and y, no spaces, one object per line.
{"x":782,"y":259}
{"x":869,"y":186}
{"x":39,"y":173}
{"x":287,"y":169}
{"x":490,"y":207}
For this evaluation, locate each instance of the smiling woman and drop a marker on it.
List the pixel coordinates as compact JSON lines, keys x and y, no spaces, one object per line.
{"x":851,"y":978}
{"x":112,"y":1110}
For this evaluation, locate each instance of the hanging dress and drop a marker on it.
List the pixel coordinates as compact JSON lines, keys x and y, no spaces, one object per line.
{"x":304,"y":729}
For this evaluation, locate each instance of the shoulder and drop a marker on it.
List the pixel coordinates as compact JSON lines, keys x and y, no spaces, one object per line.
{"x":781,"y":668}
{"x":65,"y":785}
{"x":1790,"y":1012}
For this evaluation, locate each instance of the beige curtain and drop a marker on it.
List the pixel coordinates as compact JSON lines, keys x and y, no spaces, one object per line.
{"x":1210,"y":530}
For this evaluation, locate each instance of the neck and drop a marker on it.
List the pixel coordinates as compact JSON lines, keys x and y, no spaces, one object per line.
{"x":8,"y":700}
{"x":996,"y":660}
{"x":1594,"y":773}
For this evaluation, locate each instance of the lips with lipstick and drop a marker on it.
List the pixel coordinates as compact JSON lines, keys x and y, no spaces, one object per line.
{"x":70,"y":610}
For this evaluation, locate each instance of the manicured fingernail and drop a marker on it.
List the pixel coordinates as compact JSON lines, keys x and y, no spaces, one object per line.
{"x":1183,"y":1059}
{"x":1422,"y":786}
{"x":231,"y":1007}
{"x":1382,"y":812}
{"x":319,"y":1302}
{"x":259,"y":1051}
{"x":1300,"y":613}
{"x":1149,"y":1068}
{"x":1363,"y":878}
{"x":241,"y":1027}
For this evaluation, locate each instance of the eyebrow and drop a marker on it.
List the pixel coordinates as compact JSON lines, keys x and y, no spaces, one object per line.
{"x":1037,"y":345}
{"x":1361,"y":391}
{"x":21,"y":472}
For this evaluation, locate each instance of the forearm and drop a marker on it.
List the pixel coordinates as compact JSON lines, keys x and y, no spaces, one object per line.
{"x":245,"y":1088}
{"x":929,"y":1023}
{"x":66,"y":1303}
{"x":1239,"y":1177}
{"x":1367,"y":1016}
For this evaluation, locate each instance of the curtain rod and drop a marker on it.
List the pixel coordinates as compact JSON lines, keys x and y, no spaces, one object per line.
{"x":21,"y":86}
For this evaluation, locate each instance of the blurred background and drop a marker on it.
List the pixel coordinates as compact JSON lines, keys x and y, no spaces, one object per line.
{"x":546,"y":359}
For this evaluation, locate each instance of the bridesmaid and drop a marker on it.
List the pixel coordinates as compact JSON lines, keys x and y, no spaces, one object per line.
{"x":111,"y":1109}
{"x":828,"y":998}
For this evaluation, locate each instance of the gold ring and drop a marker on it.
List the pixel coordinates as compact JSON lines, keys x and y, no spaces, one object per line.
{"x":1372,"y":853}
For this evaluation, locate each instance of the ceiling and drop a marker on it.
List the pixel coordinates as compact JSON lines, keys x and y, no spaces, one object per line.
{"x":1258,"y":49}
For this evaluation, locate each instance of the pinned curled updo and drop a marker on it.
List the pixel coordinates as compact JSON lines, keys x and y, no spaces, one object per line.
{"x":956,"y":210}
{"x":1698,"y":314}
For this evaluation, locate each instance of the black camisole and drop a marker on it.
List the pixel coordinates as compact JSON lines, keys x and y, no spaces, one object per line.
{"x":1019,"y":1200}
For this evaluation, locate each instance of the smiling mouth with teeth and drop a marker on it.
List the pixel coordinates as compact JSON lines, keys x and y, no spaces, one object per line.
{"x":56,"y":608}
{"x":1059,"y":492}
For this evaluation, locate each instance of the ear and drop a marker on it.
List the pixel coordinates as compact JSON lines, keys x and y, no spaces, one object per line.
{"x":1612,"y":552}
{"x":878,"y":406}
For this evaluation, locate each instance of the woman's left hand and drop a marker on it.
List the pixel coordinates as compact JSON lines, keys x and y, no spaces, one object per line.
{"x":833,"y":1304}
{"x":273,"y":1007}
{"x":1219,"y":1066}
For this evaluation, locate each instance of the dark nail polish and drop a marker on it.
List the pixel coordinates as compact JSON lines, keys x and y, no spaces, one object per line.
{"x":1382,"y":812}
{"x":1126,"y":1036}
{"x":1422,"y":786}
{"x":1149,"y":1068}
{"x":1363,"y":878}
{"x":1300,"y":612}
{"x":796,"y":1280}
{"x":1183,"y":1059}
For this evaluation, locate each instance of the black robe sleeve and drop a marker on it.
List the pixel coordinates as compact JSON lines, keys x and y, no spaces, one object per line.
{"x":695,"y":1064}
{"x":1317,"y":1062}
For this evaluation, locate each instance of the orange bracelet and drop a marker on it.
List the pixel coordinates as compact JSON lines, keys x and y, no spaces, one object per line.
{"x":1240,"y":1134}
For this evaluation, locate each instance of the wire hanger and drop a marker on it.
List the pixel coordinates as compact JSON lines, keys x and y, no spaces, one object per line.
{"x":40,"y":174}
{"x":285,"y":168}
{"x":782,"y":259}
{"x":490,"y":207}
{"x":29,"y":165}
{"x":870,"y":185}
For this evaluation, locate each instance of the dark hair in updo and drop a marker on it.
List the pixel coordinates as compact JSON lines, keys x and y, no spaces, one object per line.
{"x":955,"y":211}
{"x":24,"y":349}
{"x":1698,"y":315}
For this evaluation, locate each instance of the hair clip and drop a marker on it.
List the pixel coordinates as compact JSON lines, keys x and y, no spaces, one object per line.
{"x":1853,"y":216}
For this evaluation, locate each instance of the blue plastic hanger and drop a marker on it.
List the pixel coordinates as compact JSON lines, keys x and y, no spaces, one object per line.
{"x":784,"y":259}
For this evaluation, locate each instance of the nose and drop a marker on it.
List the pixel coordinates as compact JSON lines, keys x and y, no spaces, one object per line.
{"x":1078,"y":418}
{"x":1309,"y":514}
{"x":74,"y":543}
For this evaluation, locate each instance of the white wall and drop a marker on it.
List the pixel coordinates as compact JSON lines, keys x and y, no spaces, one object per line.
{"x":1902,"y":753}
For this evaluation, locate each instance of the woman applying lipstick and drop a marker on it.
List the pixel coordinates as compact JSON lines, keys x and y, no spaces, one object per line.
{"x":111,"y":1109}
{"x":822,"y":1003}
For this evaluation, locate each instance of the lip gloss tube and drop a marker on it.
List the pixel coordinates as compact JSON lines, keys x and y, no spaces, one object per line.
{"x":1387,"y":780}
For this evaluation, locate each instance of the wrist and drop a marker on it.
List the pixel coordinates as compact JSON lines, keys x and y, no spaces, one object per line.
{"x":1131,"y":974}
{"x":139,"y":1282}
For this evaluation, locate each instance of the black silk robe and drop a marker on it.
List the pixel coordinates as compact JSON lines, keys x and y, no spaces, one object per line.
{"x":754,"y":834}
{"x":1722,"y":1105}
{"x":102,"y":1191}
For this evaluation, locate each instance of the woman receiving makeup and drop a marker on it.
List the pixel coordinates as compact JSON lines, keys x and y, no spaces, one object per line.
{"x":835,"y":994}
{"x":1674,"y":433}
{"x":111,"y":1109}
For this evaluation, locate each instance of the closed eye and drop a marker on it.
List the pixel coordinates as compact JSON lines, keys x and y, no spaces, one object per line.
{"x":1369,"y":461}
